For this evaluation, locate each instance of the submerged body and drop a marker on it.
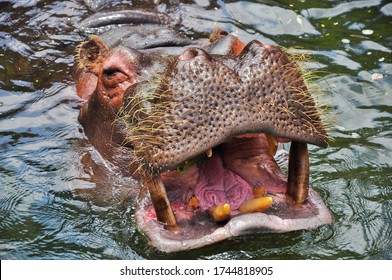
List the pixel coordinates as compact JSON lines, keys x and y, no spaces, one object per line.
{"x":198,"y":123}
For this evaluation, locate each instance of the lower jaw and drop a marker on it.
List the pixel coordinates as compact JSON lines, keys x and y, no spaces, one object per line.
{"x":196,"y":230}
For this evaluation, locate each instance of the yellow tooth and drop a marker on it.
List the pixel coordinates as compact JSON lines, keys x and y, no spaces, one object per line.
{"x":209,"y":153}
{"x":193,"y":202}
{"x":258,"y":192}
{"x":259,"y":204}
{"x":272,"y":144}
{"x":220,"y":213}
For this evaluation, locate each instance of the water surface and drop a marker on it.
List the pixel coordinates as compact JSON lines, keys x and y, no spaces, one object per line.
{"x":53,"y":207}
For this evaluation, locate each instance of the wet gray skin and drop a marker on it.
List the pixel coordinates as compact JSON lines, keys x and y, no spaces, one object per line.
{"x":157,"y":103}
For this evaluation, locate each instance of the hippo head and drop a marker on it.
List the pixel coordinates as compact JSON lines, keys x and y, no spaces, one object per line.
{"x":199,"y":124}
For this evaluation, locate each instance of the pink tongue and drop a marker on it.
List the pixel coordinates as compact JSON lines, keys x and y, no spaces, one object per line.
{"x":217,"y":185}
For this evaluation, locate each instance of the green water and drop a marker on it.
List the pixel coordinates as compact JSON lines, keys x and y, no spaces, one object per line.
{"x":51,"y":207}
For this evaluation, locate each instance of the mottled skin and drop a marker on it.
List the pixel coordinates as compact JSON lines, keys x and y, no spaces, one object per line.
{"x":155,"y":99}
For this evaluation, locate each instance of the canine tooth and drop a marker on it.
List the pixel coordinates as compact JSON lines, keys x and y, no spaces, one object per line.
{"x":220,"y":213}
{"x":160,"y":201}
{"x":298,"y":178}
{"x":259,"y":204}
{"x":209,"y":153}
{"x":193,"y":202}
{"x":272,"y":144}
{"x":258,"y":192}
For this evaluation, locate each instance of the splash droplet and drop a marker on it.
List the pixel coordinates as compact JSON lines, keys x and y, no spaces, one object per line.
{"x":367,"y":32}
{"x":376,"y":76}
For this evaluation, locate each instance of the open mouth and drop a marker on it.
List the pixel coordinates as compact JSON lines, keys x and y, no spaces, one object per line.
{"x":230,"y":178}
{"x":233,"y":189}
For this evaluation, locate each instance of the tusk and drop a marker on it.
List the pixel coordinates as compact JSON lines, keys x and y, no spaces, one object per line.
{"x":298,"y":178}
{"x":272,"y":144}
{"x":259,"y":204}
{"x":161,"y":203}
{"x":220,"y":213}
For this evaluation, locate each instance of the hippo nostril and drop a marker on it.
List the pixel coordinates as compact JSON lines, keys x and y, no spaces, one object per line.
{"x":192,"y":53}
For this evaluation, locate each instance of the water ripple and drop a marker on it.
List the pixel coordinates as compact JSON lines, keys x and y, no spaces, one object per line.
{"x":58,"y":203}
{"x":339,"y":9}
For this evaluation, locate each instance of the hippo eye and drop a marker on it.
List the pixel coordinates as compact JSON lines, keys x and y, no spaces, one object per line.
{"x":111,"y":73}
{"x":112,"y":77}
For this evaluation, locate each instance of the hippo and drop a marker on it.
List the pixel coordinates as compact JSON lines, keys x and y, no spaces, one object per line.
{"x":199,"y":123}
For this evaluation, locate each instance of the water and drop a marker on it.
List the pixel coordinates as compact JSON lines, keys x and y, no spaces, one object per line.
{"x":52,"y":207}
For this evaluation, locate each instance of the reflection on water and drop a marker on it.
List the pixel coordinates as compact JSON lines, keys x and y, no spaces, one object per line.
{"x":58,"y":199}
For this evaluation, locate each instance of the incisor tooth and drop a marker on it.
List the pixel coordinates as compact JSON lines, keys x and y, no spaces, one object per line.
{"x":220,"y":213}
{"x":209,"y":153}
{"x":258,"y":192}
{"x":193,"y":202}
{"x":259,"y":204}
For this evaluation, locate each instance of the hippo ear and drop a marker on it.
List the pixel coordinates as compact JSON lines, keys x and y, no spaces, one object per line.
{"x":91,"y":53}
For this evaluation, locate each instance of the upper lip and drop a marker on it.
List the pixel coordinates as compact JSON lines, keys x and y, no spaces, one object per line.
{"x":167,"y":132}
